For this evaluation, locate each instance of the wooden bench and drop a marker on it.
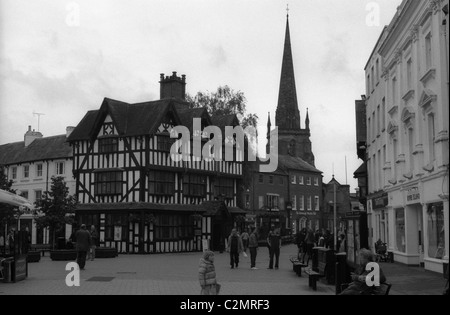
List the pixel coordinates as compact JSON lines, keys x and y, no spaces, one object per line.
{"x":41,"y":248}
{"x":33,"y":256}
{"x":312,"y":278}
{"x":297,"y":265}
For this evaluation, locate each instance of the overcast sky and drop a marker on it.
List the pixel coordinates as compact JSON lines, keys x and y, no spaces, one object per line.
{"x":61,"y":58}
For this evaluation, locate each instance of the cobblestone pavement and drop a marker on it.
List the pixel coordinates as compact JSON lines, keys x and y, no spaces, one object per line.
{"x":176,"y":274}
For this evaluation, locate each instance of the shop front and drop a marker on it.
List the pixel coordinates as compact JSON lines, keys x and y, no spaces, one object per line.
{"x":435,"y":225}
{"x":379,"y":218}
{"x":418,"y":216}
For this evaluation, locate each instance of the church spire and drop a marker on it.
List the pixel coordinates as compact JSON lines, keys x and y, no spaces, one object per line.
{"x":269,"y":127}
{"x":307,"y":119}
{"x":287,"y":115}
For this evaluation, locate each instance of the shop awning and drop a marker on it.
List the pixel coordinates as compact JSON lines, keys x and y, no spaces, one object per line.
{"x":14,"y":200}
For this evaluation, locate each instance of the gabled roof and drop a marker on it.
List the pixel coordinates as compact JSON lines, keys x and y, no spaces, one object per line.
{"x":287,"y":162}
{"x":129,"y":119}
{"x":145,"y":118}
{"x":224,"y":121}
{"x":41,"y":149}
{"x":361,"y":171}
{"x":187,"y":115}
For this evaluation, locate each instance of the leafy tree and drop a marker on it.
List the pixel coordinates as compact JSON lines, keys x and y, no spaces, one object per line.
{"x":7,"y":212}
{"x":225,"y":101}
{"x":56,"y":208}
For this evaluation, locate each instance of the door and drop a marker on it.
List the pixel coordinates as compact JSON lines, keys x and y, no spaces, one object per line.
{"x":420,"y":236}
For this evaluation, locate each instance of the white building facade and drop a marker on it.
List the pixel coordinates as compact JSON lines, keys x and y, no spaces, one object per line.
{"x":409,"y":152}
{"x":31,"y":164}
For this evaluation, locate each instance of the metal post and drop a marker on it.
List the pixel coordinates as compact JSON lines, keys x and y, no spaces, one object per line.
{"x":334,"y":222}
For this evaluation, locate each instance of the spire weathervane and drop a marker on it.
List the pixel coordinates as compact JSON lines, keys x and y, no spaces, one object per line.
{"x":287,"y":10}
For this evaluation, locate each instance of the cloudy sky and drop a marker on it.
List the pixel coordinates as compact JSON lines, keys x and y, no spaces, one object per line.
{"x":61,"y":58}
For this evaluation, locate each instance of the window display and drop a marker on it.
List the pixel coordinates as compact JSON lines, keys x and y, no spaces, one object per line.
{"x":436,"y":231}
{"x":400,"y":229}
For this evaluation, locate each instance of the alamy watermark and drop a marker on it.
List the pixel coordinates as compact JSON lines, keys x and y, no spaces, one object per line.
{"x":73,"y":277}
{"x":373,"y":278}
{"x":373,"y":17}
{"x":73,"y":15}
{"x":213,"y":149}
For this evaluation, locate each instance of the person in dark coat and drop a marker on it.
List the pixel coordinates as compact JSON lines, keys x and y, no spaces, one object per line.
{"x":235,"y":247}
{"x":274,"y":241}
{"x":309,"y":245}
{"x":253,"y":246}
{"x":300,"y":241}
{"x":83,"y":245}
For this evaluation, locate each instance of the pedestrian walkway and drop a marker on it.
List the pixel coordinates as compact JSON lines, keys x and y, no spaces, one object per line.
{"x":411,"y":280}
{"x":176,"y":274}
{"x":165,"y":274}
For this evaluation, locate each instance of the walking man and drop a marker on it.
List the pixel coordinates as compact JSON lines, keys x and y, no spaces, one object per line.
{"x":253,"y":246}
{"x":235,"y":247}
{"x":274,"y":241}
{"x":83,"y":245}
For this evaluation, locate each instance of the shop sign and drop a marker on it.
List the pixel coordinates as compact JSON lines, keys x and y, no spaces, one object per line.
{"x":380,"y":202}
{"x":413,"y":195}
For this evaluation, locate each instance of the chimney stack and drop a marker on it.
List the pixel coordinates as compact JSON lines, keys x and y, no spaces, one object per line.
{"x":173,"y":86}
{"x":69,"y":130}
{"x":30,"y":136}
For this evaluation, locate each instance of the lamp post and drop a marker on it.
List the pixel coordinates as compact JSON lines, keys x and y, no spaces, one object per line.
{"x":334,"y":215}
{"x":288,"y":216}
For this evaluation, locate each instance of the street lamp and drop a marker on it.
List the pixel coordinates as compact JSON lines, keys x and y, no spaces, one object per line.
{"x":334,"y":215}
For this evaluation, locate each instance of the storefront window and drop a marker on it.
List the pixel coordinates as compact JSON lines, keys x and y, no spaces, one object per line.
{"x":436,"y":231}
{"x":400,"y":230}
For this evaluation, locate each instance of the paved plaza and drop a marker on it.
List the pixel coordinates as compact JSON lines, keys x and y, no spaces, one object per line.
{"x":176,"y":274}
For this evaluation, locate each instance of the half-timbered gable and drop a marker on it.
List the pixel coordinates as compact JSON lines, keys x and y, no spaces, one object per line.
{"x":129,"y":184}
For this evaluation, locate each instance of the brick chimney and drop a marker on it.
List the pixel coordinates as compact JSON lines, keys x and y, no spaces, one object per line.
{"x":30,"y":136}
{"x":69,"y":130}
{"x":173,"y":86}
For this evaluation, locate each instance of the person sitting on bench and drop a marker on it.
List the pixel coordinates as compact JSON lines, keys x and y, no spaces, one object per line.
{"x":359,"y":286}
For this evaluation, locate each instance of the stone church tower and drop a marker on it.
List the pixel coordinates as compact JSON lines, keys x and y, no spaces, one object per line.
{"x":292,"y":139}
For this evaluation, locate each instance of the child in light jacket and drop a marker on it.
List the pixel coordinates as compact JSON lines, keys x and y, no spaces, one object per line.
{"x":207,"y":274}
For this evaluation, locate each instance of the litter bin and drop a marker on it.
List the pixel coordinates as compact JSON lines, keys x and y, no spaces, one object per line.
{"x":7,"y":269}
{"x":315,"y":259}
{"x":61,"y":243}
